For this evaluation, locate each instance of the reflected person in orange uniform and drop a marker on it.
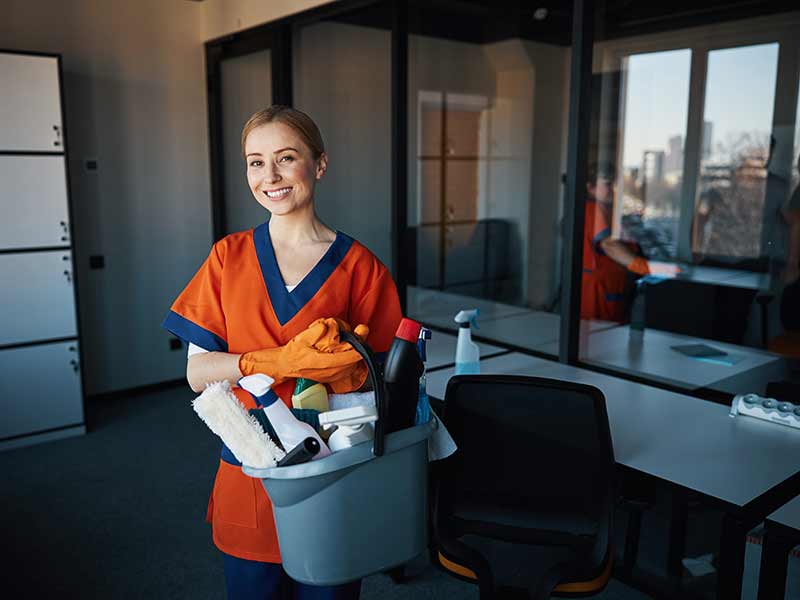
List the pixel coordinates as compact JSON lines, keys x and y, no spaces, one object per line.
{"x":607,"y":261}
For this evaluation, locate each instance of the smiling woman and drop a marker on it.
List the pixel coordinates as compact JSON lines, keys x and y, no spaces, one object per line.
{"x":257,"y":291}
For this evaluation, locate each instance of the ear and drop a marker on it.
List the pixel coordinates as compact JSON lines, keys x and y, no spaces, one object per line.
{"x":322,"y":165}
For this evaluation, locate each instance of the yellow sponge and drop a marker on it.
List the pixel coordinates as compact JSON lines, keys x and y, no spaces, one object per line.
{"x":310,"y":394}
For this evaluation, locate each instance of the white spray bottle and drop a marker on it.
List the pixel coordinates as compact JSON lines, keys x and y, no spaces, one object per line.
{"x":289,"y":429}
{"x":468,"y":355}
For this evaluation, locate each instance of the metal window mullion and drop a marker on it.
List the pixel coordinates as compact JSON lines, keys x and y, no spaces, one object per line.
{"x":692,"y":151}
{"x":580,"y":103}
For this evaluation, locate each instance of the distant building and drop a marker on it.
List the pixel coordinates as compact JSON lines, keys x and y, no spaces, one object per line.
{"x":674,"y":159}
{"x":708,"y":132}
{"x":653,"y":166}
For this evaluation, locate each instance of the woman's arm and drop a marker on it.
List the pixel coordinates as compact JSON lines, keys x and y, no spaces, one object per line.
{"x":205,"y":367}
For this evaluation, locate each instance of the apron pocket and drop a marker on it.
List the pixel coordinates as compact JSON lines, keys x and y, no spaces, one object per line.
{"x":234,"y":498}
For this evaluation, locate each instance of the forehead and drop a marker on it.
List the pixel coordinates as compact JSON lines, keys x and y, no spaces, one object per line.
{"x":270,"y":137}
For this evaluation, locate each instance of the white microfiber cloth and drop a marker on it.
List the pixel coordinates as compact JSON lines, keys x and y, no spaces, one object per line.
{"x":219,"y":408}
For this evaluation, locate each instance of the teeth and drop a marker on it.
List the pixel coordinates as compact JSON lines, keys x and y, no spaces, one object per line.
{"x":279,"y":193}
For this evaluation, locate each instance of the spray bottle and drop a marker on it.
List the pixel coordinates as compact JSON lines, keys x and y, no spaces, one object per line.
{"x":468,"y":355}
{"x":353,"y":426}
{"x":290,"y":430}
{"x":401,"y":377}
{"x":423,"y":404}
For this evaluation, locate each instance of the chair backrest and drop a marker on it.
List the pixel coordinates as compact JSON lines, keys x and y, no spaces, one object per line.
{"x":530,"y":442}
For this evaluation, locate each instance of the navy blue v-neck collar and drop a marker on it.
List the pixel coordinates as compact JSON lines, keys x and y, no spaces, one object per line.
{"x":285,"y":303}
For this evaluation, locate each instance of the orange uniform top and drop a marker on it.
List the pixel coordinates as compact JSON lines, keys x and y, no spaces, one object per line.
{"x":237,"y":302}
{"x":603,"y":281}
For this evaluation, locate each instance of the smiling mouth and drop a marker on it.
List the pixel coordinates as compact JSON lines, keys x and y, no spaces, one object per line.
{"x":276,"y":194}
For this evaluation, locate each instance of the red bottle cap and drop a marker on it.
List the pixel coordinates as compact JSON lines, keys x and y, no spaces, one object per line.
{"x":408,"y":330}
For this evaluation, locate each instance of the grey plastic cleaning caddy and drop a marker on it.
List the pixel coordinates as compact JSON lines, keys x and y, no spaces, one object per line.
{"x":359,"y":511}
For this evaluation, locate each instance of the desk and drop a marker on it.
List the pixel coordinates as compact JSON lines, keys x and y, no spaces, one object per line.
{"x":441,"y":350}
{"x":437,"y":308}
{"x":650,"y":353}
{"x":687,"y":442}
{"x":781,"y":534}
{"x":725,"y":277}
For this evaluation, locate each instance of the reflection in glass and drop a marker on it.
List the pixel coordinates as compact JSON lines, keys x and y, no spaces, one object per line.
{"x":487,"y":134}
{"x":734,"y":218}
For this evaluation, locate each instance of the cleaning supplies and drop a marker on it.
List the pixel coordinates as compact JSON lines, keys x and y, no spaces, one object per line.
{"x":289,"y":430}
{"x":423,"y":402}
{"x":401,"y":376}
{"x":302,"y":453}
{"x":225,"y":416}
{"x":353,"y":426}
{"x":340,"y":401}
{"x":310,"y":394}
{"x":468,"y":355}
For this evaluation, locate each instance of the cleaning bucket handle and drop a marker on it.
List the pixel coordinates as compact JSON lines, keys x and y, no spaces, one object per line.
{"x":377,"y":384}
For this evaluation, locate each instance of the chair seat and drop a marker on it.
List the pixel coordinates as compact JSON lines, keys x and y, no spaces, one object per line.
{"x":526,"y":517}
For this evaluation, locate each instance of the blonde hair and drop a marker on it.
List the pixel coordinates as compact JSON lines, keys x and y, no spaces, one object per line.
{"x":299,"y":121}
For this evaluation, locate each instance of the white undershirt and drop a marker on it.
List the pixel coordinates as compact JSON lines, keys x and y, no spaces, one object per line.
{"x":195,"y":349}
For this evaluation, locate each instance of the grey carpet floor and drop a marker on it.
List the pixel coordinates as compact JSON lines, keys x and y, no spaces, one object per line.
{"x":119,"y":513}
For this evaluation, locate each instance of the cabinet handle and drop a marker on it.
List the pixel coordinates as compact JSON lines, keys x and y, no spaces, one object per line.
{"x":64,"y":238}
{"x":69,"y":276}
{"x":57,"y":129}
{"x":75,"y":366}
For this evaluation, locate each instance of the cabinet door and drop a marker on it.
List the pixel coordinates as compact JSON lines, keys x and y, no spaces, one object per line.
{"x":40,"y":388}
{"x":36,"y":297}
{"x":30,"y":109}
{"x":34,"y":191}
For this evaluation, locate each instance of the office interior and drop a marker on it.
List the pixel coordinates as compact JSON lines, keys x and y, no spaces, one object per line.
{"x":463,"y":138}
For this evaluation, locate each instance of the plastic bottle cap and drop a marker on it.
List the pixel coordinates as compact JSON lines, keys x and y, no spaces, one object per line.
{"x":408,"y":330}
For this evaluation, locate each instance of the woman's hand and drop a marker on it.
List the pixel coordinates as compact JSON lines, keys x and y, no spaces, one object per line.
{"x":316,"y":353}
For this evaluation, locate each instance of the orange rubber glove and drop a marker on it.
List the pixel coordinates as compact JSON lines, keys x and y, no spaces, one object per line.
{"x":639,"y":266}
{"x":316,"y":353}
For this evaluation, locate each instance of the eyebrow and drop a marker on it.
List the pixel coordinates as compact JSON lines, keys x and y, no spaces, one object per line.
{"x":276,"y":151}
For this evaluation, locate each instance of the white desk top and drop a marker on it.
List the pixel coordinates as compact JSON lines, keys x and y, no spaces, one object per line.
{"x":441,"y":349}
{"x":788,"y":514}
{"x":651,"y":354}
{"x":688,"y":441}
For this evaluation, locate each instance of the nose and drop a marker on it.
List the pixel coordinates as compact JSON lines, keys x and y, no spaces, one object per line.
{"x":272,"y":175}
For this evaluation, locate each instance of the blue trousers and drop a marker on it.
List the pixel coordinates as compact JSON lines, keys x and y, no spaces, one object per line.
{"x":252,"y":580}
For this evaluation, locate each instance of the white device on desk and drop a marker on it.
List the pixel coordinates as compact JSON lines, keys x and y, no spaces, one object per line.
{"x":768,"y":409}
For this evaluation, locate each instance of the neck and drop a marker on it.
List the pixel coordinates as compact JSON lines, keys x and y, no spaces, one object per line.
{"x":299,"y":227}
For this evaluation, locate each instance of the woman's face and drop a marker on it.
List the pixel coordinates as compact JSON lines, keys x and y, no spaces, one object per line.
{"x":281,"y":170}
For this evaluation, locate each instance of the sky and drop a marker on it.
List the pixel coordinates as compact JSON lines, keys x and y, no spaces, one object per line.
{"x":740,"y":89}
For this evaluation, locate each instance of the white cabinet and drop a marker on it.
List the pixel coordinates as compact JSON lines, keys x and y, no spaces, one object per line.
{"x":41,"y":396}
{"x":30,"y":109}
{"x":34,"y":192}
{"x":37,"y":301}
{"x":40,"y":388}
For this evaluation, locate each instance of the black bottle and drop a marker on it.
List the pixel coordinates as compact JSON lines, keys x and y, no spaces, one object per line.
{"x":401,"y":377}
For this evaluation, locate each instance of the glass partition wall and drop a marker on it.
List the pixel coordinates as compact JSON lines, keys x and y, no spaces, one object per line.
{"x":694,"y":130}
{"x":341,"y":76}
{"x":447,"y":125}
{"x":487,"y":102}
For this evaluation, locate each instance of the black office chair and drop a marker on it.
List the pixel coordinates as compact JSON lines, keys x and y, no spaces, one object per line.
{"x":526,"y":502}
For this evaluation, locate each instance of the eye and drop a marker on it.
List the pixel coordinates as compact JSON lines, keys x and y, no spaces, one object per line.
{"x":256,"y":163}
{"x":286,"y":158}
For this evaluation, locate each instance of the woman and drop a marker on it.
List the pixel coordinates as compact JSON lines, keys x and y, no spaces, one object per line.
{"x":257,"y":290}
